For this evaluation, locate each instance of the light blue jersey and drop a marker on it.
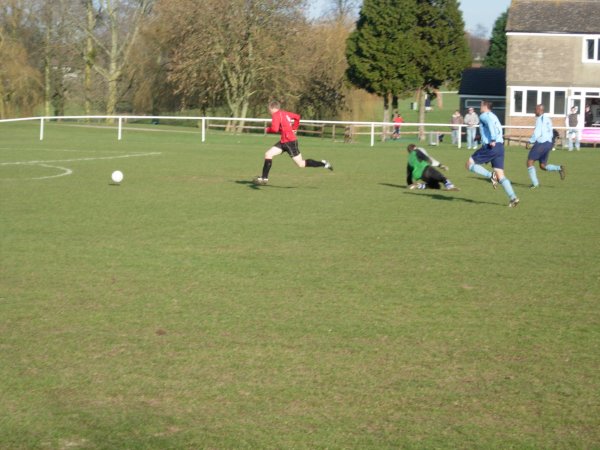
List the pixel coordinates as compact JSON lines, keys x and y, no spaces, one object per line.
{"x":490,"y":128}
{"x":543,"y":130}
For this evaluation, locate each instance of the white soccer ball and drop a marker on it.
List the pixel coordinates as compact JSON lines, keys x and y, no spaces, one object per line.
{"x":117,"y":176}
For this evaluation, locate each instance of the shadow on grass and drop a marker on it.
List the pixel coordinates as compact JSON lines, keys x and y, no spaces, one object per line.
{"x":436,"y":196}
{"x":401,"y":186}
{"x":450,"y":198}
{"x":257,"y":187}
{"x":514,"y":183}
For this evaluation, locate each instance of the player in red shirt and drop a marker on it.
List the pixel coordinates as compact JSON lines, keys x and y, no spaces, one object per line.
{"x":285,"y":123}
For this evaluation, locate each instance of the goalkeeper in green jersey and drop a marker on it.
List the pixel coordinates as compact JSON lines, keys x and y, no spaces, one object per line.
{"x":420,"y":173}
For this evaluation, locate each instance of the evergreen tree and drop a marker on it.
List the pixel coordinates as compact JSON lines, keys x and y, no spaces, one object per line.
{"x":496,"y":55}
{"x":443,"y":48}
{"x":400,"y":47}
{"x":380,"y":51}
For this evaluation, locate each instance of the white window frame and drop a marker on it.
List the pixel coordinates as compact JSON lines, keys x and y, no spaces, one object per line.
{"x":539,"y":90}
{"x":584,"y":50}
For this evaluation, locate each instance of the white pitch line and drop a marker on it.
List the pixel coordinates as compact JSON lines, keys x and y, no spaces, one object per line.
{"x":67,"y":171}
{"x":132,"y":155}
{"x":34,"y":149}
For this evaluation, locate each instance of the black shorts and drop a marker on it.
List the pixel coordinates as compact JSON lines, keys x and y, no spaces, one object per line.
{"x":291,"y":148}
{"x":433,"y":178}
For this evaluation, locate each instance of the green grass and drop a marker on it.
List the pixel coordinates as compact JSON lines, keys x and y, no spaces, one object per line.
{"x":187,"y":308}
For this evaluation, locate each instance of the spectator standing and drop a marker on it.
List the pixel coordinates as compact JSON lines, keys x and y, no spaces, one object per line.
{"x":573,"y":132}
{"x":456,"y":120}
{"x":398,"y":121}
{"x":588,"y":116}
{"x":471,"y":120}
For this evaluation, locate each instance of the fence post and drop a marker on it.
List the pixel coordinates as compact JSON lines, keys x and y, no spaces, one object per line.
{"x":372,"y":134}
{"x":203,"y":126}
{"x":460,"y":128}
{"x":41,"y":129}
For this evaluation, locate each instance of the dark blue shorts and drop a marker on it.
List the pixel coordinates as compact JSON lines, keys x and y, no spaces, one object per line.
{"x":540,"y":151}
{"x":487,"y":154}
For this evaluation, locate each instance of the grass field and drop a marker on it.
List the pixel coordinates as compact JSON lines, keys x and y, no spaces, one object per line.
{"x":187,"y":308}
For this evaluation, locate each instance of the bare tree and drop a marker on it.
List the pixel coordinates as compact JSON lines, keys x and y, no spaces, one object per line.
{"x":89,"y":56}
{"x":110,"y":41}
{"x":20,"y":80}
{"x":323,"y":85}
{"x":228,"y":50}
{"x":57,"y":51}
{"x":342,"y":10}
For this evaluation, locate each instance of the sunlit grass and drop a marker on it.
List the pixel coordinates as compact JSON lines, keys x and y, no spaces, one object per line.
{"x":187,"y":308}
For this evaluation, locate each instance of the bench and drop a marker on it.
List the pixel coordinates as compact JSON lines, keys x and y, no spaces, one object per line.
{"x":525,"y":140}
{"x":518,"y":139}
{"x":590,"y":136}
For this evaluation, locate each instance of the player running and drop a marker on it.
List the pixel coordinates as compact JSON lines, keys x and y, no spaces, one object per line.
{"x":285,"y":123}
{"x":491,"y":151}
{"x":542,"y":146}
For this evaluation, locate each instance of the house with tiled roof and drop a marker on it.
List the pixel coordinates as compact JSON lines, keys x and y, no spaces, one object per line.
{"x":553,"y":58}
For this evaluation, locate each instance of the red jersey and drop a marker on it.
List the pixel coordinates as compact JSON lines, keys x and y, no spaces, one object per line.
{"x":286,"y":123}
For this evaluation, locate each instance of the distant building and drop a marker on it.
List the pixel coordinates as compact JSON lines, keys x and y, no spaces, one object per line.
{"x":553,"y":58}
{"x":479,"y":84}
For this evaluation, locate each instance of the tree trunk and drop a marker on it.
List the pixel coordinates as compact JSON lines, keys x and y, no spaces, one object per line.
{"x":421,"y":104}
{"x":387,"y":103}
{"x":243,"y":114}
{"x":47,"y":70}
{"x":2,"y":107}
{"x":89,"y":59}
{"x":113,"y":70}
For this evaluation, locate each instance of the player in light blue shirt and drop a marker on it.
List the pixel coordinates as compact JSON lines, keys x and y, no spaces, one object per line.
{"x":542,"y":146}
{"x":490,"y":128}
{"x":491,"y":151}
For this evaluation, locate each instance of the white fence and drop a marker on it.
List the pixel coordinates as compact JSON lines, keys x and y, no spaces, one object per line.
{"x":374,"y":128}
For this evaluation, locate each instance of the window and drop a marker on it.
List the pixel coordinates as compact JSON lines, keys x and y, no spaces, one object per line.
{"x":518,"y":101}
{"x":591,"y":49}
{"x":559,"y":102}
{"x":532,"y":100}
{"x":525,"y":101}
{"x":546,"y":101}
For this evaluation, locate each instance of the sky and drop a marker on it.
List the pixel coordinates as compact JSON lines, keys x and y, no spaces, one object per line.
{"x":475,"y":12}
{"x":484,"y":12}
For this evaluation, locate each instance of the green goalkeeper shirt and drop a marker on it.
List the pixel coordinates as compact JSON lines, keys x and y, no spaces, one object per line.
{"x":417,"y":163}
